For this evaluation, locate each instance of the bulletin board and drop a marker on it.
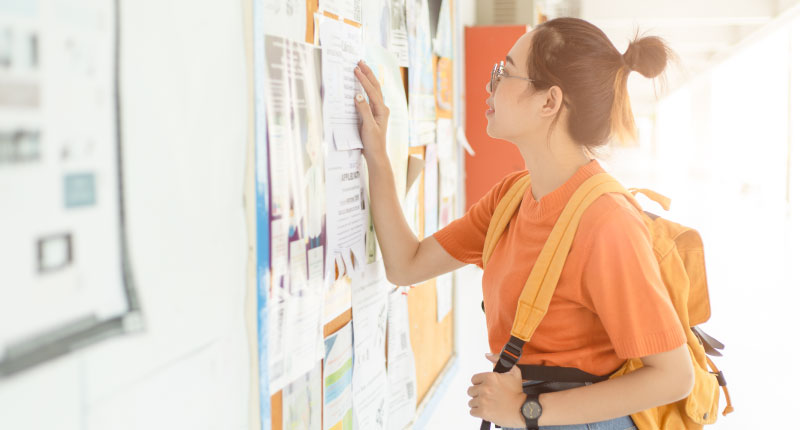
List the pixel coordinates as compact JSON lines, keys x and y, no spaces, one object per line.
{"x":428,"y":203}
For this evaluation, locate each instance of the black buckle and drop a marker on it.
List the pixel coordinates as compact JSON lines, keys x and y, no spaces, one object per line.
{"x":508,"y":358}
{"x":720,"y":378}
{"x":510,"y":355}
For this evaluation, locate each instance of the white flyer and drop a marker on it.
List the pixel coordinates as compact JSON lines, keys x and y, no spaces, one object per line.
{"x":400,"y":364}
{"x":347,"y":212}
{"x":285,"y":18}
{"x":342,"y":49}
{"x":370,"y":313}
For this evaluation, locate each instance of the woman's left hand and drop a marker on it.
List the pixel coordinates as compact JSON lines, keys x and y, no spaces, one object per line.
{"x":498,"y":397}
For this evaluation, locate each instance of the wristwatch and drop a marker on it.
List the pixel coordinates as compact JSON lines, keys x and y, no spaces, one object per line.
{"x":531,"y":411}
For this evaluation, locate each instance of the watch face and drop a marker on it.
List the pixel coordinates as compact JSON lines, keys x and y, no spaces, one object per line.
{"x":531,"y":410}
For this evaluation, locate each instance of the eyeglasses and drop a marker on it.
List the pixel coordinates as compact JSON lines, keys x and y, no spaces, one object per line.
{"x":499,"y":71}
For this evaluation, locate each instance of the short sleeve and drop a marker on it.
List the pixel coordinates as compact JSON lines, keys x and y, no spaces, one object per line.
{"x":463,"y":238}
{"x":623,"y":282}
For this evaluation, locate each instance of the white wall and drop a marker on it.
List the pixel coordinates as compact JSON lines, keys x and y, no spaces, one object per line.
{"x":185,"y":107}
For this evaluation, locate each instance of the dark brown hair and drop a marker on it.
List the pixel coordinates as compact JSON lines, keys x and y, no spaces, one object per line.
{"x":593,"y":76}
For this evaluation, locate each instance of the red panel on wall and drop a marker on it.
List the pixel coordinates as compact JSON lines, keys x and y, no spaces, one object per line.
{"x":493,"y":158}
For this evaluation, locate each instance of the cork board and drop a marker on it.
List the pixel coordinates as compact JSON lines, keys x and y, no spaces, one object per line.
{"x":432,"y":341}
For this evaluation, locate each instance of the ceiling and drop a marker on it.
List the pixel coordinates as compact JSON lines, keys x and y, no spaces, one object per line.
{"x":699,"y":32}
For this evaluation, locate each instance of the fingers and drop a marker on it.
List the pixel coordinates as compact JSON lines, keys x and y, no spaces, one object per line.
{"x":492,"y":357}
{"x":479,"y":378}
{"x":515,"y":371}
{"x":363,"y":109}
{"x":379,"y":110}
{"x":373,"y":91}
{"x":371,"y":76}
{"x":476,"y":407}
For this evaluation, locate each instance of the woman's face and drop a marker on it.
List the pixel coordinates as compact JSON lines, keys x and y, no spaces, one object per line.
{"x":516,"y":113}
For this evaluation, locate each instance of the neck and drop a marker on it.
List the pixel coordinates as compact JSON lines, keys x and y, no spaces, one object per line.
{"x":551,"y":166}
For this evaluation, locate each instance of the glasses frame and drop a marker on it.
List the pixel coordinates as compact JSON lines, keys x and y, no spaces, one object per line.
{"x":499,"y":71}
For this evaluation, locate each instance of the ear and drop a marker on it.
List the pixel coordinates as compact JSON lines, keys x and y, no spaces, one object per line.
{"x":552,"y":102}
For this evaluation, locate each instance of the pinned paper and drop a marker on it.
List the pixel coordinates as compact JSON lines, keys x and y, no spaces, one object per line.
{"x":415,"y":167}
{"x":431,"y":191}
{"x":341,"y":51}
{"x":462,"y":140}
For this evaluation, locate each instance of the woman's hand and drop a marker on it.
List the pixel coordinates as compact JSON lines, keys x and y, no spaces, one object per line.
{"x":498,"y":397}
{"x":374,"y":115}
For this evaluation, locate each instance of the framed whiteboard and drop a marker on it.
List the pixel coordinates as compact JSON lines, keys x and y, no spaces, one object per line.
{"x":65,"y":280}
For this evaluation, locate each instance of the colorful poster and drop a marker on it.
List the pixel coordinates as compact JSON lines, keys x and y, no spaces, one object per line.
{"x":337,"y":412}
{"x":297,"y":207}
{"x":444,"y":88}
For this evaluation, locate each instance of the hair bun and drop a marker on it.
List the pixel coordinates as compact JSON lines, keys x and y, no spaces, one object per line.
{"x":647,"y":55}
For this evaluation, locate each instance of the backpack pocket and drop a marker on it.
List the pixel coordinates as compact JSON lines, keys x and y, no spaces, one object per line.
{"x":703,"y":402}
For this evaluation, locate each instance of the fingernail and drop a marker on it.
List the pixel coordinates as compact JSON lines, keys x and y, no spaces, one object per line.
{"x":359,"y":98}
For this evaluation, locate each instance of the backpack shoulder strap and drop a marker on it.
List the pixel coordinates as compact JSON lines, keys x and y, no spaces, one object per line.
{"x":502,"y":214}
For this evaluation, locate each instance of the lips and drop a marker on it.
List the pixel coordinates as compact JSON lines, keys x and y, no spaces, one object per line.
{"x":491,"y":108}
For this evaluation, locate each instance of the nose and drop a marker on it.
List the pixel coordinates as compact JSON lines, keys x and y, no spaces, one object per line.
{"x":488,"y":87}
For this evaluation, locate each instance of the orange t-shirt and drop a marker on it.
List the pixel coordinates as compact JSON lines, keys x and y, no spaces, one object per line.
{"x":610,"y":303}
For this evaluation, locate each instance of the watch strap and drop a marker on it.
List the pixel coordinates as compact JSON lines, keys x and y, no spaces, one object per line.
{"x":532,"y":424}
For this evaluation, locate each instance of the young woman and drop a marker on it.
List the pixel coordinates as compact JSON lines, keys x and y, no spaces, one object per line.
{"x":560,"y":92}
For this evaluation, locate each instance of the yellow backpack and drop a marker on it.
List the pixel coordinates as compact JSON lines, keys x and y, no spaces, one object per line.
{"x":679,"y":251}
